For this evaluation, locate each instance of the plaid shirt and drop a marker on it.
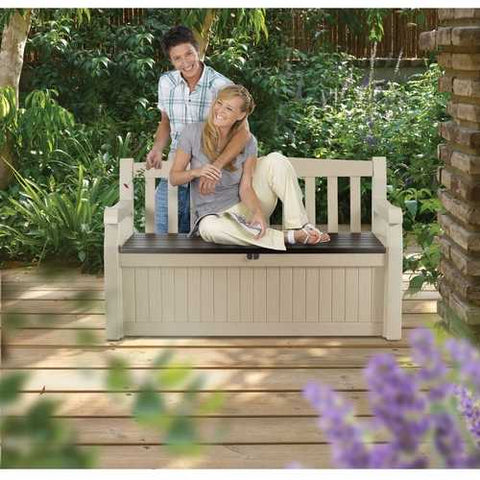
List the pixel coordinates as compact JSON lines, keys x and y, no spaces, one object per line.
{"x":183,"y":106}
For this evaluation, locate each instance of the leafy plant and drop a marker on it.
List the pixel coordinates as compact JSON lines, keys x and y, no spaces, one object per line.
{"x":68,"y":222}
{"x":37,"y":439}
{"x":176,"y":424}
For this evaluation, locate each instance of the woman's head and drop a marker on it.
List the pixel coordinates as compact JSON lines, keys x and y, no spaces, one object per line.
{"x":232,"y":105}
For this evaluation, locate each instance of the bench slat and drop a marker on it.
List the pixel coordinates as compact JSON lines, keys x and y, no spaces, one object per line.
{"x":319,"y":167}
{"x":332,"y":192}
{"x":172,"y":209}
{"x":149,"y":204}
{"x":345,"y":242}
{"x":305,"y":167}
{"x":310,"y":199}
{"x":355,"y":205}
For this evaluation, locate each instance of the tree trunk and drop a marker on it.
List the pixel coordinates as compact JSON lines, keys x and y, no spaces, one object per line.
{"x":14,"y":39}
{"x":12,"y":49}
{"x":203,"y":36}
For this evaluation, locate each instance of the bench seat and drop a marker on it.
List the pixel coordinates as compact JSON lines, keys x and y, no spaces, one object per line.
{"x":346,"y":242}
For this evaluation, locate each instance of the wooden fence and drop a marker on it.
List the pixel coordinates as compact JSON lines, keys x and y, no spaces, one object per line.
{"x":400,"y":38}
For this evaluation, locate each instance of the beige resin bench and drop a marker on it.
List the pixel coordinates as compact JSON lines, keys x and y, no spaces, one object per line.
{"x":171,"y":285}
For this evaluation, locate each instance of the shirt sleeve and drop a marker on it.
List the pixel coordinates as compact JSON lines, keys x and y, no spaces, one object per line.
{"x":185,"y":142}
{"x":219,"y":83}
{"x":162,"y":104}
{"x":251,"y":149}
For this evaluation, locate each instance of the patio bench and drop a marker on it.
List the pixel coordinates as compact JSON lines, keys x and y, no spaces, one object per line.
{"x":171,"y":285}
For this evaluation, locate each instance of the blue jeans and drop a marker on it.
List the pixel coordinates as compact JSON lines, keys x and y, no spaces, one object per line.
{"x":161,"y":208}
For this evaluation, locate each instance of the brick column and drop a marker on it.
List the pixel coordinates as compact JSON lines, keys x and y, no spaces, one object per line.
{"x":458,"y":42}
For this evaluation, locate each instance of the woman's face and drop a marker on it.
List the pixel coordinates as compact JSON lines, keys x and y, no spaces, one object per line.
{"x":227,"y":111}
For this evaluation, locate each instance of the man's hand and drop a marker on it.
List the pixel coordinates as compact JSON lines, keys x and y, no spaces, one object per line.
{"x":258,"y":219}
{"x":207,"y":187}
{"x":154,"y":158}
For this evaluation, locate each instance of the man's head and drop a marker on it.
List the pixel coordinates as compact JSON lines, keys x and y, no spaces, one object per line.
{"x":181,"y":48}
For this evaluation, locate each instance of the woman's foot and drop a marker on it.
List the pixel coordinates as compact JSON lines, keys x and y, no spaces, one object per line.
{"x":307,"y":235}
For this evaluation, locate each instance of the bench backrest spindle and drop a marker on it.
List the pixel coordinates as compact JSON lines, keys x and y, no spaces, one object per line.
{"x":332,"y":202}
{"x":355,"y":205}
{"x":149,"y":204}
{"x":310,"y":199}
{"x":307,"y":168}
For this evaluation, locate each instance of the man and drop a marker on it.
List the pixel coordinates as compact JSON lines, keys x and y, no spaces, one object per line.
{"x":185,"y":96}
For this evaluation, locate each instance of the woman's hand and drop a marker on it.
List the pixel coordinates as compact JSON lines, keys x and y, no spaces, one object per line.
{"x":209,"y":172}
{"x":258,"y":219}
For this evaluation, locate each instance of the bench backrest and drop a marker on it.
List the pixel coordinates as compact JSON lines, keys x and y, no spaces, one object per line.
{"x":307,"y":168}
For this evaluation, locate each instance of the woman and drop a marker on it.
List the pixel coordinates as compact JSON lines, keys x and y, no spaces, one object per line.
{"x":247,"y":189}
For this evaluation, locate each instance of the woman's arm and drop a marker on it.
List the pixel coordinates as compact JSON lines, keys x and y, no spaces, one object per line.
{"x":249,"y":197}
{"x":180,"y":175}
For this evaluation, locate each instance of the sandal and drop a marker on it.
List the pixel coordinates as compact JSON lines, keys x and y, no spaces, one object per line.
{"x":308,"y":229}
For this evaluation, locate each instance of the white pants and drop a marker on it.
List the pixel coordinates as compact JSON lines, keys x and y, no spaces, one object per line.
{"x":274,"y":179}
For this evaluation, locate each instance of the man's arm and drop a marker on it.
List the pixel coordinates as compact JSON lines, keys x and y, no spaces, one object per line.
{"x":234,"y":147}
{"x":230,"y":152}
{"x":162,"y":137}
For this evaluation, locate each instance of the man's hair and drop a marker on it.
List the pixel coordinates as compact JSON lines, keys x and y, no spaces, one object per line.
{"x":176,"y":36}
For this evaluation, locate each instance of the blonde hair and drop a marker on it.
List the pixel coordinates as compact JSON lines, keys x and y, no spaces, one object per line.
{"x":211,"y":134}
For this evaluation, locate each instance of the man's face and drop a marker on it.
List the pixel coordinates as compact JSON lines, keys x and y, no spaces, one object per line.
{"x":184,"y":58}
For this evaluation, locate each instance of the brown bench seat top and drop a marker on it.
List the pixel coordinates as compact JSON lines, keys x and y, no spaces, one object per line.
{"x":365,"y":242}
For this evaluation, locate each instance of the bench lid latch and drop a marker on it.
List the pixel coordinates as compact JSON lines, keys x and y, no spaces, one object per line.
{"x":253,"y":256}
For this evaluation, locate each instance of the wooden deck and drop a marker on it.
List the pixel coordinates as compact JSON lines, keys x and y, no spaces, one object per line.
{"x":267,"y":423}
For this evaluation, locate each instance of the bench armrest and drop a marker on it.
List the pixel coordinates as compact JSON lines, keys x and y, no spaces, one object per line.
{"x":391,"y":214}
{"x":114,"y":215}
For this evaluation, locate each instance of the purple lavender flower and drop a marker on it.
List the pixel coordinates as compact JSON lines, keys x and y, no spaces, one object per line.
{"x":338,"y":424}
{"x":371,"y":140}
{"x":433,"y":370}
{"x":467,"y":359}
{"x":397,"y":402}
{"x":448,"y":440}
{"x":470,"y":409}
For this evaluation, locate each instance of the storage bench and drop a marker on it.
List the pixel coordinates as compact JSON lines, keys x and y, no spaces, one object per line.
{"x":171,"y":285}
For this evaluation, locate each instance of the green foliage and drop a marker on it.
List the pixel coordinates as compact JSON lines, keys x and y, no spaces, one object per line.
{"x":10,"y":386}
{"x":67,"y":222}
{"x":37,"y":438}
{"x":175,"y":423}
{"x":227,"y":22}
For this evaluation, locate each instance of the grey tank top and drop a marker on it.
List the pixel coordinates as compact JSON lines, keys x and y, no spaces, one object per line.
{"x":227,"y":190}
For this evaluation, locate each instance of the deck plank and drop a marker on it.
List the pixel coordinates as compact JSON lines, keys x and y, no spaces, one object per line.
{"x":225,"y":379}
{"x":211,"y":431}
{"x":216,"y":456}
{"x":235,"y":404}
{"x":73,"y":338}
{"x":137,"y":357}
{"x":97,"y":321}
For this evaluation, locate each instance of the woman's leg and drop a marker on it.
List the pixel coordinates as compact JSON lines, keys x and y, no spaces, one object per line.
{"x":225,"y":231}
{"x":275,"y":178}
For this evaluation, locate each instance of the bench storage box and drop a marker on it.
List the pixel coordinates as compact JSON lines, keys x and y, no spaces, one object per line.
{"x":171,"y":285}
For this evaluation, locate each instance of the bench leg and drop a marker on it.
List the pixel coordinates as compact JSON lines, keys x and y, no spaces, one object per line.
{"x":113,"y":285}
{"x":392,"y":326}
